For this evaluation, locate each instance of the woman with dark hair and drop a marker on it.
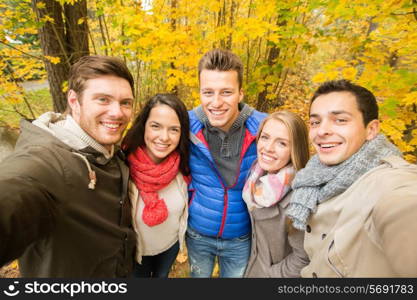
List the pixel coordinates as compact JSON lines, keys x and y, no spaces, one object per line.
{"x":157,"y":152}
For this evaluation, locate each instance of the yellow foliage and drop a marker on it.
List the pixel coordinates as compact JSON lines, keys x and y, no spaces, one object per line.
{"x":216,"y":270}
{"x":53,"y":59}
{"x":332,"y":75}
{"x":182,"y":256}
{"x":64,"y":87}
{"x":40,"y":5}
{"x":15,"y":264}
{"x":340,"y":63}
{"x":275,"y":38}
{"x":319,"y":78}
{"x":349,"y":73}
{"x":410,"y":158}
{"x":47,"y":18}
{"x":413,"y":141}
{"x":8,"y":13}
{"x":410,"y":99}
{"x":373,"y":43}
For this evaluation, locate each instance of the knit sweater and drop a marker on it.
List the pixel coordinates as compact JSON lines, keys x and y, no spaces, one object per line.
{"x":157,"y":239}
{"x":225,"y":147}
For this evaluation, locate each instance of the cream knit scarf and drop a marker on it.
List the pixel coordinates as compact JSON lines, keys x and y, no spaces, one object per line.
{"x":69,"y":132}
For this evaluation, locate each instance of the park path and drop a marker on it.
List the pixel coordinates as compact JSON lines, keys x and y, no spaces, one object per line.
{"x":8,"y":137}
{"x":35,"y":85}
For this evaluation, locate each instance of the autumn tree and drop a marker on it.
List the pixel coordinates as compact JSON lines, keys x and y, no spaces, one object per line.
{"x":63,"y":32}
{"x":378,"y":49}
{"x":288,"y":48}
{"x":20,"y":60}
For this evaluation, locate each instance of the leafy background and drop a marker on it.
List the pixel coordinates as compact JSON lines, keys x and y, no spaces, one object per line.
{"x":288,"y":48}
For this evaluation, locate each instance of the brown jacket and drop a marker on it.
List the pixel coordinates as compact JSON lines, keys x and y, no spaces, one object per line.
{"x":277,"y":248}
{"x":370,"y":229}
{"x":53,"y":222}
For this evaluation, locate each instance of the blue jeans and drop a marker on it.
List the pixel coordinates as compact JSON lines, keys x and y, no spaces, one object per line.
{"x":233,"y":254}
{"x":157,"y":266}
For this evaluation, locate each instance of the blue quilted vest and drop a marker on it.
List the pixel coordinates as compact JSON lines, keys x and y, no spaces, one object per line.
{"x":215,"y":209}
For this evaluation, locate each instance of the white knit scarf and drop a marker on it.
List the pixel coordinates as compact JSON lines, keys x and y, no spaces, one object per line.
{"x":69,"y":132}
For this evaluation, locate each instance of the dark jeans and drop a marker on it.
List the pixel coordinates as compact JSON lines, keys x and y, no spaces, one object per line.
{"x":157,"y":266}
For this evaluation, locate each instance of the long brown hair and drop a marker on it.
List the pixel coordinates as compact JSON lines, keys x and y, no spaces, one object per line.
{"x":135,"y":136}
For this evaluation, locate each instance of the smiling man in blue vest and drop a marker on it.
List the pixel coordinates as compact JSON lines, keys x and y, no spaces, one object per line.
{"x":223,"y":131}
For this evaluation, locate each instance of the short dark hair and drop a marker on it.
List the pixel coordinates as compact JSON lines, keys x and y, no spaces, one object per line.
{"x":94,"y":66}
{"x":221,"y":60}
{"x":365,"y":100}
{"x":135,"y":136}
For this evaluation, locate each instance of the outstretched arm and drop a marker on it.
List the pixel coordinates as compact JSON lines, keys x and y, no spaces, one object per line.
{"x":395,"y":221}
{"x":27,"y":213}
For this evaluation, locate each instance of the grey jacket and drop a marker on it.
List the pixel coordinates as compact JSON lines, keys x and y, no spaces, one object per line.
{"x":277,"y":248}
{"x":52,"y":221}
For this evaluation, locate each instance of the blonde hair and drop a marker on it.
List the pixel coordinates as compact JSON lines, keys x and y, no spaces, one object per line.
{"x":298,"y":133}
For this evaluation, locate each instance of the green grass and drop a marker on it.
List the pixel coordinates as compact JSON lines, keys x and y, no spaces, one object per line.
{"x":10,"y":114}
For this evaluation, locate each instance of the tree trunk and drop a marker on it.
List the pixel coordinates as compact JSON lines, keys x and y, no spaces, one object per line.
{"x":103,"y":36}
{"x":274,"y":51}
{"x":231,"y":24}
{"x":262,"y":104}
{"x":76,"y":30}
{"x":62,"y":38}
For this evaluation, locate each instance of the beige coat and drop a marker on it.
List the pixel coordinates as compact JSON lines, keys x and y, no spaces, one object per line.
{"x":370,"y":230}
{"x":277,"y":248}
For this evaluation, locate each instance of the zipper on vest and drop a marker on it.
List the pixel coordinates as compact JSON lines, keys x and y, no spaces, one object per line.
{"x":225,"y":204}
{"x":247,"y":141}
{"x":246,"y":144}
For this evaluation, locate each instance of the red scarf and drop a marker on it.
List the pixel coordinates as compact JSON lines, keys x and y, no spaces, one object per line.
{"x":150,"y":178}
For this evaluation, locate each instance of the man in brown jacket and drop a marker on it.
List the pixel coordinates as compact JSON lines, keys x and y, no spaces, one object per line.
{"x":64,"y":210}
{"x":356,"y":198}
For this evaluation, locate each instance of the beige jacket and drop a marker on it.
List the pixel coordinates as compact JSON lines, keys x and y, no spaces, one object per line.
{"x":277,"y":247}
{"x":158,"y":231}
{"x":370,"y":230}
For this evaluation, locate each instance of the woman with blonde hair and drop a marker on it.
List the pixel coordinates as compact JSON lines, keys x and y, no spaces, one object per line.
{"x":282,"y":149}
